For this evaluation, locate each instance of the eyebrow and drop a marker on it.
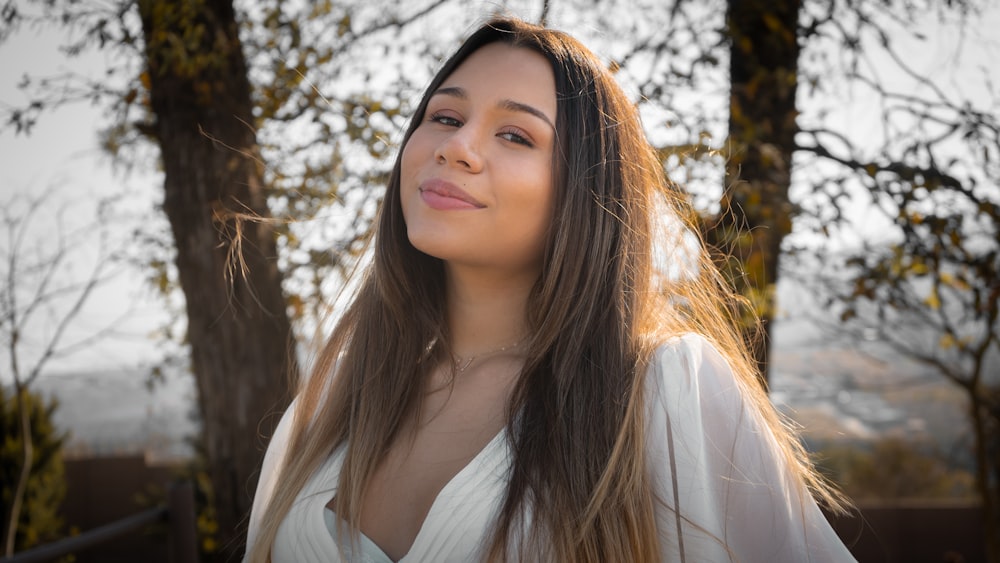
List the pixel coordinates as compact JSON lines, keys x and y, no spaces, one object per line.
{"x":510,"y":105}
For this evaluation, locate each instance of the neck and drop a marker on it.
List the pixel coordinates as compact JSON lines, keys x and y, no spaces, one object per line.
{"x":486,"y":311}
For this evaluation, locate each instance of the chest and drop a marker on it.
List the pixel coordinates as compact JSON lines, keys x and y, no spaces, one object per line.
{"x":455,"y":425}
{"x":454,"y":529}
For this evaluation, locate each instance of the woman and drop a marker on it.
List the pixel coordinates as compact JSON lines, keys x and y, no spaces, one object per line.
{"x":514,"y":379}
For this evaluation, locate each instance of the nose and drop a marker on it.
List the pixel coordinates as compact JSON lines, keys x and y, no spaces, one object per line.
{"x":460,"y":149}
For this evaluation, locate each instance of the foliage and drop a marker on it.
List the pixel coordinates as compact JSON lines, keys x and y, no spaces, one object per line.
{"x":929,"y":290}
{"x":214,"y":196}
{"x":44,"y":291}
{"x":933,"y":296}
{"x":893,"y":468}
{"x":195,"y":472}
{"x":930,"y":175}
{"x":206,"y":523}
{"x":41,"y":300}
{"x":335,"y":82}
{"x":39,"y":521}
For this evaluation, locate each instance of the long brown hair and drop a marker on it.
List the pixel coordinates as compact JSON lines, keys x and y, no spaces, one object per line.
{"x":576,"y":418}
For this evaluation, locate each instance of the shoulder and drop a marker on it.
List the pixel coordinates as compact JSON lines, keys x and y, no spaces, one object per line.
{"x":278,"y":444}
{"x":273,"y":459}
{"x":694,"y":396}
{"x":688,"y":346}
{"x":715,"y":459}
{"x":282,"y":433}
{"x":690,"y":364}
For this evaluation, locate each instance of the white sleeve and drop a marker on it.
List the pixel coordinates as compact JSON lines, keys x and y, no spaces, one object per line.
{"x":724,"y":490}
{"x":273,"y":458}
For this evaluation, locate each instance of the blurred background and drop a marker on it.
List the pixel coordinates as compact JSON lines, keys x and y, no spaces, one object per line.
{"x":844,"y":158}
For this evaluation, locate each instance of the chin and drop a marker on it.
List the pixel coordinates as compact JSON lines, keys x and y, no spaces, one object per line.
{"x":430,"y":246}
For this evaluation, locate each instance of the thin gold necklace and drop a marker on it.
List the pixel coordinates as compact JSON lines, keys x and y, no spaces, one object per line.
{"x":461,"y":364}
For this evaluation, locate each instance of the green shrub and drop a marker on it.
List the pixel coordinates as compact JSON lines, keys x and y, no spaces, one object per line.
{"x":39,"y":521}
{"x":893,"y":468}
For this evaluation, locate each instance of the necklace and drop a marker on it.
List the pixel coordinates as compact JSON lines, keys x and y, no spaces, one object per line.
{"x":461,"y":364}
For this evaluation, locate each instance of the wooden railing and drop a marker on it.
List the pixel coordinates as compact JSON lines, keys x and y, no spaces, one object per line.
{"x":179,"y":514}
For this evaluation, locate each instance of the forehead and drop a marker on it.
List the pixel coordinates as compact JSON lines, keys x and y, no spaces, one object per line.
{"x":500,"y":71}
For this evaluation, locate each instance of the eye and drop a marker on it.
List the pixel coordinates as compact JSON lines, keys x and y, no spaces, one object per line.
{"x":445,"y":120}
{"x":515,"y":136}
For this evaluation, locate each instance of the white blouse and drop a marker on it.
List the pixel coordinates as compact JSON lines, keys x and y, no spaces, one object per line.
{"x":724,"y":490}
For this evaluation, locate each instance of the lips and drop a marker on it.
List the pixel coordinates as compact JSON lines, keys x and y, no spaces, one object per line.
{"x":443,"y":195}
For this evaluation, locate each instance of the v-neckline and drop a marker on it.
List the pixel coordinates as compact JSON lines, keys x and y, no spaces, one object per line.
{"x":458,"y":477}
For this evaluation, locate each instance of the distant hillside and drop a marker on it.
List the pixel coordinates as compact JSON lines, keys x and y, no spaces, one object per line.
{"x":836,"y":394}
{"x":115,"y":412}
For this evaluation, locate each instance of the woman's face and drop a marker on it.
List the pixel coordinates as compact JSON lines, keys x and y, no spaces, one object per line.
{"x":476,"y":186}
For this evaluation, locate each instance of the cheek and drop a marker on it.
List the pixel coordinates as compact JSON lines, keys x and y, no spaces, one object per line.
{"x":406,"y":159}
{"x":547,"y":215}
{"x":538,"y":222}
{"x":417,"y":151}
{"x":553,"y":194}
{"x":409,"y":163}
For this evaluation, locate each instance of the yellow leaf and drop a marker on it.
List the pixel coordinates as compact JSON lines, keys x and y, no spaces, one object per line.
{"x":947,"y":342}
{"x":953,"y":281}
{"x":933,"y":300}
{"x":772,"y":22}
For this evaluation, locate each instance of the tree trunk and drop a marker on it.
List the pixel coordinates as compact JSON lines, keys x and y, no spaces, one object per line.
{"x":987,"y":467}
{"x":755,"y":212}
{"x":238,"y":327}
